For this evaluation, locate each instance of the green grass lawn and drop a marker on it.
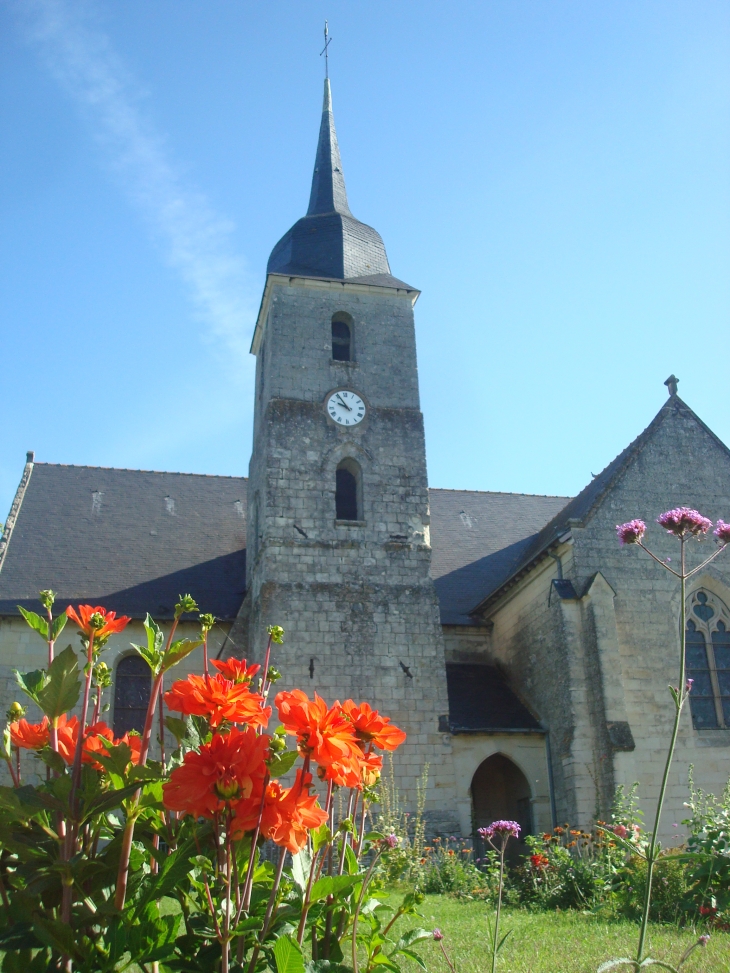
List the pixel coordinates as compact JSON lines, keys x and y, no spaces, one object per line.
{"x":554,"y":942}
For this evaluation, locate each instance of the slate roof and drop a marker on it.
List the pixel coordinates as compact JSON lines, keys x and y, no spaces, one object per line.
{"x":580,"y":508}
{"x":481,"y":701}
{"x":131,"y":540}
{"x":329,"y":242}
{"x":477,"y":539}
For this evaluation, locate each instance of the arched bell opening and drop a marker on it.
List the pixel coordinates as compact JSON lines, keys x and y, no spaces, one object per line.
{"x":501,"y":792}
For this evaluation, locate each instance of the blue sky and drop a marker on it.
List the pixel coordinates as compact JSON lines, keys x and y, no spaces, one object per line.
{"x":553,"y":175}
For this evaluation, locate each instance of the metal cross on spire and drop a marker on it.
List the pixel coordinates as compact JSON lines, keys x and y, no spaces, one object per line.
{"x":325,"y":51}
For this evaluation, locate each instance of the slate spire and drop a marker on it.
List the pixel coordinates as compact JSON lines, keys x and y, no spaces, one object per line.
{"x":328,"y":181}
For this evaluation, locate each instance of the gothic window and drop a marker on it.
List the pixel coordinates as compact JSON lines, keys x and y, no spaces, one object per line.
{"x":348,"y":500}
{"x":708,"y":661}
{"x":132,"y":687}
{"x":341,"y":341}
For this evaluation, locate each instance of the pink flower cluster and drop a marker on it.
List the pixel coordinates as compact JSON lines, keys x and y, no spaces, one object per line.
{"x":722,"y":532}
{"x":683,"y":521}
{"x":632,"y":532}
{"x":500,"y":829}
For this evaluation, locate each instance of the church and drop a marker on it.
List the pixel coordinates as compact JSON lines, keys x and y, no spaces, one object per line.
{"x":526,"y":654}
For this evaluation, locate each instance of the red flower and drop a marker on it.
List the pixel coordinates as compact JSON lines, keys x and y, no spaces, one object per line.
{"x":68,"y":734}
{"x":288,"y":814}
{"x":87,"y":618}
{"x":325,"y":734}
{"x":229,"y":769}
{"x":30,"y":736}
{"x":219,"y":700}
{"x":373,"y":728}
{"x":237,"y":670}
{"x":539,"y":861}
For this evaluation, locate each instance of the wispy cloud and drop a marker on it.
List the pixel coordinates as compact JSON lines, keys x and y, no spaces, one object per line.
{"x":196,"y":240}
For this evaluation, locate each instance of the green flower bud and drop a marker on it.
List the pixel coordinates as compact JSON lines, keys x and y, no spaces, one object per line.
{"x":273,"y":675}
{"x":277,"y":744}
{"x":207,"y":622}
{"x":47,"y":597}
{"x":277,"y":633}
{"x":96,"y":621}
{"x":185,"y":603}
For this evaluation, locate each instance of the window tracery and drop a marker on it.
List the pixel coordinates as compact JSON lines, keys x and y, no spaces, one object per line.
{"x":707,"y":657}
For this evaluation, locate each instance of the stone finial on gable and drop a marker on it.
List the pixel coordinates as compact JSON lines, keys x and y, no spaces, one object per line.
{"x":671,"y":383}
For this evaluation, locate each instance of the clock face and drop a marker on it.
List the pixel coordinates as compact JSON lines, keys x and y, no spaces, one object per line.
{"x":345,"y":408}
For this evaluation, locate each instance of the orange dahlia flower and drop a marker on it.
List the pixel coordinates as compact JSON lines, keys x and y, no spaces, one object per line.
{"x":373,"y":728}
{"x":219,"y":700}
{"x":229,"y":769}
{"x":237,"y":670}
{"x":86,"y":622}
{"x":68,"y":735}
{"x":288,"y":814}
{"x":326,"y":734}
{"x":30,"y":736}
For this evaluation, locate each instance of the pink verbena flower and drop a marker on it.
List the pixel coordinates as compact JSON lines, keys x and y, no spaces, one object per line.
{"x":683,"y":521}
{"x":722,"y":532}
{"x":703,"y":940}
{"x":632,"y":532}
{"x":501,"y":832}
{"x":438,"y":935}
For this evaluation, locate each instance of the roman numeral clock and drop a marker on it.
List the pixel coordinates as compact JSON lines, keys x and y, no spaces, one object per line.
{"x":345,"y":407}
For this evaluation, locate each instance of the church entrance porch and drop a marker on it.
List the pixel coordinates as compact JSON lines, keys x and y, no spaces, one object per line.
{"x":502,"y":776}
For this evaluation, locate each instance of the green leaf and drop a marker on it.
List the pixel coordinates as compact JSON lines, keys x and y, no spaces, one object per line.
{"x":116,"y":759}
{"x":61,"y":692}
{"x":53,"y":760}
{"x":177,"y":652}
{"x":331,"y":885}
{"x":351,"y":862}
{"x":58,"y":626}
{"x":282,"y":763}
{"x":58,"y":935}
{"x":171,"y":876}
{"x":321,"y":836}
{"x":31,"y":682}
{"x":301,"y":864}
{"x":411,"y":937}
{"x":37,"y":623}
{"x":412,"y":955}
{"x":178,"y":728}
{"x":288,"y":956}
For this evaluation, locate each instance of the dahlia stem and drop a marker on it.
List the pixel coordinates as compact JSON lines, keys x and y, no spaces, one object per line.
{"x":361,"y":899}
{"x":76,"y":775}
{"x":205,"y":651}
{"x":126,"y":850}
{"x":269,"y":911}
{"x":248,"y":886}
{"x":679,"y":703}
{"x":317,"y":862}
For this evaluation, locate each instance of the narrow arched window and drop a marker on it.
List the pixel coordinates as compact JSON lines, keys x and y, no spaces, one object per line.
{"x":341,"y":341}
{"x":708,"y":661}
{"x":701,"y":698}
{"x":348,"y":500}
{"x":132,"y":685}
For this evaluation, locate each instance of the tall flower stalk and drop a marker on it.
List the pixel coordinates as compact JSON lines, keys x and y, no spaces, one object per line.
{"x":498,"y":834}
{"x":683,"y":523}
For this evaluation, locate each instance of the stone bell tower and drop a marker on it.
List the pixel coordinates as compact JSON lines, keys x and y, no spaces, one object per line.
{"x":338,"y":537}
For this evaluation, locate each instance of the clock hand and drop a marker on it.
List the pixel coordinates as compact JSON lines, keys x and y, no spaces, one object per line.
{"x":344,"y":403}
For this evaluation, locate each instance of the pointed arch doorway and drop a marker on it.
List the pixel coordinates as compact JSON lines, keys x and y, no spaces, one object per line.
{"x":500,"y":791}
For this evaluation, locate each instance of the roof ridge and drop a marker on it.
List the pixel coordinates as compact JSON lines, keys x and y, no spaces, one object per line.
{"x":505,"y":493}
{"x":15,"y":508}
{"x":129,"y":469}
{"x":601,"y":483}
